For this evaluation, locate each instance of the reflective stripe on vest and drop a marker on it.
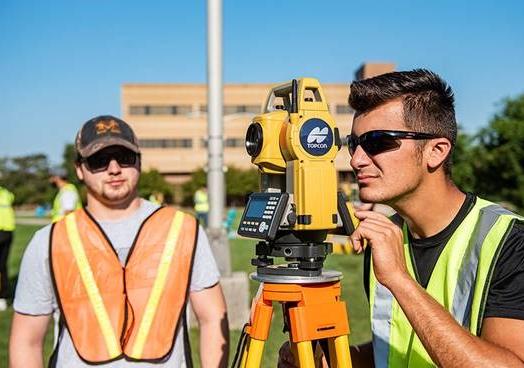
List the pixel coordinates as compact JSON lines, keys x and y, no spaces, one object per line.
{"x":113,"y":311}
{"x":158,"y":286}
{"x":459,"y":282}
{"x":86,"y":273}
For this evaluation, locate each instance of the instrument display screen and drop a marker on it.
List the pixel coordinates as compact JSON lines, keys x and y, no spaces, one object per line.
{"x":256,"y":207}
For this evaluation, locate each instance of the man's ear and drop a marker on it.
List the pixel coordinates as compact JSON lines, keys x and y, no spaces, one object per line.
{"x":79,"y":172}
{"x":437,"y":150}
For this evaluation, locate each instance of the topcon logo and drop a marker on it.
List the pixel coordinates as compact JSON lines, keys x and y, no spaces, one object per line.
{"x":316,"y":137}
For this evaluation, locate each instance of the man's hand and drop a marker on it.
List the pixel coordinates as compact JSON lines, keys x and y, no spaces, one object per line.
{"x":386,"y":242}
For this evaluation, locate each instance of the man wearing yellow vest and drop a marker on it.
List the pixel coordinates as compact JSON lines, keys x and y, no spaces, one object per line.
{"x":120,"y":271}
{"x":445,"y":275}
{"x":7,"y":227}
{"x":67,"y":199}
{"x":201,"y":205}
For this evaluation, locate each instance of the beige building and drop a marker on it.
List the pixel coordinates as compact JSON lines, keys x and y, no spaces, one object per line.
{"x":170,"y":121}
{"x":368,"y":70}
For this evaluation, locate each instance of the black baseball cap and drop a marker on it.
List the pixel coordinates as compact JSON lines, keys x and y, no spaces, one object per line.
{"x":104,"y":131}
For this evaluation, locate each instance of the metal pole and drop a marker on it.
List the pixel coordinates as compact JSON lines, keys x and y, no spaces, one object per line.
{"x":215,"y":174}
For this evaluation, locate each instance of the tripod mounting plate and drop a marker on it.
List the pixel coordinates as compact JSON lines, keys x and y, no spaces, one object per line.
{"x":325,"y":276}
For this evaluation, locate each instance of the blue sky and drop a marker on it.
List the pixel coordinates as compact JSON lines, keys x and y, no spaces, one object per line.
{"x":63,"y":62}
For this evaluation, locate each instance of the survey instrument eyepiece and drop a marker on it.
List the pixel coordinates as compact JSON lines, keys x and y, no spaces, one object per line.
{"x":294,"y":143}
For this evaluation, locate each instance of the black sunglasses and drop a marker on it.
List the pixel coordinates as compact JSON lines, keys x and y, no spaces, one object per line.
{"x":99,"y":161}
{"x":378,"y":141}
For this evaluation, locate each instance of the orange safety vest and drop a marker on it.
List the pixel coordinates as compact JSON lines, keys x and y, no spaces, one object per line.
{"x":115,"y":312}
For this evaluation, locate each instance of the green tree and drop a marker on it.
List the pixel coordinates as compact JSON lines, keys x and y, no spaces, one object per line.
{"x":463,"y":172}
{"x":27,"y":177}
{"x":198,"y":180}
{"x":499,"y":156}
{"x":239,"y":183}
{"x":68,"y":163}
{"x":153,"y":182}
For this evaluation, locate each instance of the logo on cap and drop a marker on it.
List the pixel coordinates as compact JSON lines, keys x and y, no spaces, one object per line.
{"x":316,"y":137}
{"x":107,"y":126}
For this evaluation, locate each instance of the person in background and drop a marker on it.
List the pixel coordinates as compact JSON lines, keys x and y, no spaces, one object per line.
{"x":67,"y":199}
{"x":7,"y":227}
{"x":201,"y":205}
{"x":157,"y":198}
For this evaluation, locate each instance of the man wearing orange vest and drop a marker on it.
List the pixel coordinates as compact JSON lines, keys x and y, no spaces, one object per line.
{"x":120,"y":271}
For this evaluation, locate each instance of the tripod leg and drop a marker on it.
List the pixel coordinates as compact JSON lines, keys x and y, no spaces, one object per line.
{"x":244,"y":353}
{"x":305,"y":354}
{"x":333,"y":362}
{"x":343,"y":357}
{"x":254,"y":353}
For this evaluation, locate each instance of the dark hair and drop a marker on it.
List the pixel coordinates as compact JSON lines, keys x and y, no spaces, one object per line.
{"x":428,"y":102}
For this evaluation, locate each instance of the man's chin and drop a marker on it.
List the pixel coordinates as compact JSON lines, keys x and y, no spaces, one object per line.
{"x":367,"y":195}
{"x":117,"y":197}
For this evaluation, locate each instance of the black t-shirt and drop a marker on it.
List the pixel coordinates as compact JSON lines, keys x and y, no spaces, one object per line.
{"x":506,"y":291}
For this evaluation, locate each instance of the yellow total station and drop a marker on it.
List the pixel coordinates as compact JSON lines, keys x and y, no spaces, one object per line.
{"x":294,"y":144}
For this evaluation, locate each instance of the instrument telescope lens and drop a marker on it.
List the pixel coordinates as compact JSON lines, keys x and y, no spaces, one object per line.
{"x":254,"y":139}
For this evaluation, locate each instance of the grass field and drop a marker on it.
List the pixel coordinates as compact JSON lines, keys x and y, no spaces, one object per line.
{"x":242,"y":251}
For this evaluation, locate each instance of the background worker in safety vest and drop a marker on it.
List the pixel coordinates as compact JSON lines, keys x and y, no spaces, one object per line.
{"x":67,"y":199}
{"x":201,"y":205}
{"x":7,"y":227}
{"x":445,"y":275}
{"x":114,"y":272}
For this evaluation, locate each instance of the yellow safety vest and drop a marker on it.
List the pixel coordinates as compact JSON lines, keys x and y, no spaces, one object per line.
{"x":57,"y":213}
{"x":459,"y":282}
{"x":201,"y":201}
{"x":7,"y":214}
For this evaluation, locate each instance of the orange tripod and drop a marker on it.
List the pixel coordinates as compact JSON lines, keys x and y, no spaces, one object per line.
{"x":313,"y":311}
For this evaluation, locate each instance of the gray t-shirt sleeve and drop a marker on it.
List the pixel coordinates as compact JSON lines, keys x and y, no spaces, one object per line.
{"x":205,"y":271}
{"x":34,"y":290}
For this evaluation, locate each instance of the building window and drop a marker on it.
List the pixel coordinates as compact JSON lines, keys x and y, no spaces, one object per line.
{"x":182,"y":109}
{"x":235,"y":109}
{"x":241,"y":109}
{"x":166,"y":143}
{"x":139,"y":110}
{"x":160,"y":109}
{"x":251,"y":109}
{"x":234,"y":142}
{"x":344,"y":109}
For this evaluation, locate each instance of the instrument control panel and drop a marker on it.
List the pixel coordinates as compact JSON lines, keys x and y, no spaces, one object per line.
{"x":262,"y":215}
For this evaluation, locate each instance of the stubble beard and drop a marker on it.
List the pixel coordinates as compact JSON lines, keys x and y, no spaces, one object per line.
{"x":119,"y":195}
{"x":388,"y":193}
